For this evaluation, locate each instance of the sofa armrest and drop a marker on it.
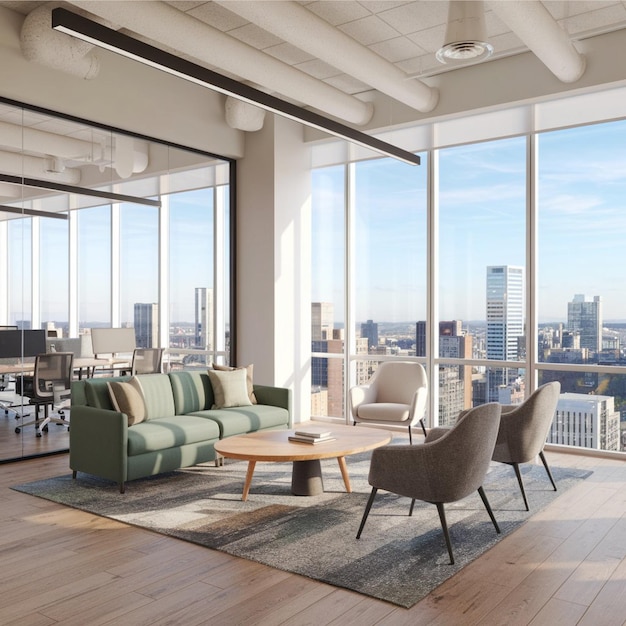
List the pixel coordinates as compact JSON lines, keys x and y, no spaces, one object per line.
{"x":99,"y":442}
{"x":274,"y":396}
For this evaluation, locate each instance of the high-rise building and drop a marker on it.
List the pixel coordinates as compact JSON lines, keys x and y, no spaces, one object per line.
{"x":505,"y":323}
{"x":455,"y":381}
{"x":204,"y":318}
{"x":146,"y":324}
{"x":322,"y":323}
{"x":585,"y":316}
{"x":369,"y":330}
{"x":590,"y":421}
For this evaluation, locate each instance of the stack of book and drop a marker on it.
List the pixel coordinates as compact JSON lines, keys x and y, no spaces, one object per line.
{"x":312,"y":435}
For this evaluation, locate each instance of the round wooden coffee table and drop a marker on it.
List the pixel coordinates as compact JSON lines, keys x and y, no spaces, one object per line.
{"x":306,"y":480}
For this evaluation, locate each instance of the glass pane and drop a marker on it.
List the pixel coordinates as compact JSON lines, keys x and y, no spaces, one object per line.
{"x":389,"y":254}
{"x":582,"y":226}
{"x":19,"y":260}
{"x":328,"y":290}
{"x":94,"y":267}
{"x":54,"y":275}
{"x":482,"y":233}
{"x":588,"y":411}
{"x":139,"y":272}
{"x":191,"y":293}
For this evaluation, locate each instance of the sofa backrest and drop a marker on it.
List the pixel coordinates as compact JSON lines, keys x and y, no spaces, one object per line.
{"x":192,"y":391}
{"x":157,"y":392}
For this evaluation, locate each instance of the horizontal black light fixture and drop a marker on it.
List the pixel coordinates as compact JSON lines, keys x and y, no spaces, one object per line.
{"x":83,"y":191}
{"x":98,"y":35}
{"x":32,"y":212}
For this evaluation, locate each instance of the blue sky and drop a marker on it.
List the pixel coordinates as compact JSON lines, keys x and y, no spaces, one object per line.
{"x":582,"y":223}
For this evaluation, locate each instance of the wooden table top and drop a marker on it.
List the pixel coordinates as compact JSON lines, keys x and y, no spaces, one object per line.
{"x":274,"y":445}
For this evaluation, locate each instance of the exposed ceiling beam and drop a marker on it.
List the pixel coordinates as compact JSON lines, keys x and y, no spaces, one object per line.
{"x":112,"y":40}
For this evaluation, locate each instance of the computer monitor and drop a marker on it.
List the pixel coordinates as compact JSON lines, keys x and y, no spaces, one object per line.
{"x":22,"y":343}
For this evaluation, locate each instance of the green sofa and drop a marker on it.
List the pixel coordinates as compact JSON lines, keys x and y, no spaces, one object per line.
{"x":179,"y":431}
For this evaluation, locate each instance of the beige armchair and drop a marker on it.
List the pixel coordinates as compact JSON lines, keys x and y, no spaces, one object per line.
{"x":147,"y":361}
{"x":395,"y":394}
{"x":445,"y":470}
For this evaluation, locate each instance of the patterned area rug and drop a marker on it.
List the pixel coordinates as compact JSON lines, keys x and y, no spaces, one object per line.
{"x":398,"y":559}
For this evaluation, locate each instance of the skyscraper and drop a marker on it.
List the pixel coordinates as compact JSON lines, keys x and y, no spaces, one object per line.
{"x":204,"y":318}
{"x":369,"y":330}
{"x":322,"y":323}
{"x":585,"y":316}
{"x":505,"y":323}
{"x":146,"y":324}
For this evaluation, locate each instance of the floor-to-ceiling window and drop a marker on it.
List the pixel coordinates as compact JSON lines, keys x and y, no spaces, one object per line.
{"x":506,"y":258}
{"x":103,"y":229}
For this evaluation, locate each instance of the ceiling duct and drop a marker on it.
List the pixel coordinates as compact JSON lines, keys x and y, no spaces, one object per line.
{"x":466,"y":33}
{"x":37,"y":167}
{"x":305,"y":30}
{"x":159,"y":22}
{"x":45,"y":46}
{"x":539,"y":31}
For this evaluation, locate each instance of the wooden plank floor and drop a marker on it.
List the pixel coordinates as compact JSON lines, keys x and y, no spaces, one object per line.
{"x":566,"y":565}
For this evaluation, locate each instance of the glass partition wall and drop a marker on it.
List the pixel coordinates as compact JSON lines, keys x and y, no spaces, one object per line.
{"x":100,"y":229}
{"x":497,"y":264}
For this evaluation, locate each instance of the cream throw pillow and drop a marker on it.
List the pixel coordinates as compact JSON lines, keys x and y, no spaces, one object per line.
{"x":229,"y":388}
{"x":127,"y":397}
{"x":249,"y":373}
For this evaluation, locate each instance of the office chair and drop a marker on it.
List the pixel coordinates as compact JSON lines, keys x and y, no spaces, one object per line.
{"x":147,"y":361}
{"x":49,"y":386}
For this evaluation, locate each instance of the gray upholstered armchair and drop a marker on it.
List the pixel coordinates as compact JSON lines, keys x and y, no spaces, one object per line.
{"x":395,"y":394}
{"x":523,"y":431}
{"x":445,"y":470}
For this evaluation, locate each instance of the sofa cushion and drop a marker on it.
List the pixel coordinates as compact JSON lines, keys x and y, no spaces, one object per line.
{"x":247,"y":419}
{"x":170,"y":432}
{"x":128,"y":398}
{"x":230,"y":388}
{"x":249,"y":377}
{"x":192,"y":391}
{"x":157,"y":391}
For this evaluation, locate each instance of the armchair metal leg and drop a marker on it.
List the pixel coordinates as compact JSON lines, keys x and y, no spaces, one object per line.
{"x":483,"y":497}
{"x":412,"y":505}
{"x":368,"y":506}
{"x":444,"y":526}
{"x":545,"y":464}
{"x":521,"y":484}
{"x":410,"y":436}
{"x":423,"y":426}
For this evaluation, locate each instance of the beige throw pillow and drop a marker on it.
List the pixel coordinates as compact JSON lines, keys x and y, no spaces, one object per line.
{"x":249,"y":373}
{"x":127,"y":397}
{"x":229,"y":388}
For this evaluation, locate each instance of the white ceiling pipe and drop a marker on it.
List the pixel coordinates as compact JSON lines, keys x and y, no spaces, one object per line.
{"x":172,"y":28}
{"x":534,"y":25}
{"x":34,"y":140}
{"x":305,"y":30}
{"x":48,"y":47}
{"x":130,"y":155}
{"x":36,"y":167}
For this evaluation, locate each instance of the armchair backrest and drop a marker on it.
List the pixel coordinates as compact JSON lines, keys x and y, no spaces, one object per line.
{"x":397,"y":381}
{"x":459,"y":460}
{"x":524,"y":429}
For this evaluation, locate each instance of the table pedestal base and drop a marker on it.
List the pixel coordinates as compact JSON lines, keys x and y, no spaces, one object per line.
{"x":306,"y":478}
